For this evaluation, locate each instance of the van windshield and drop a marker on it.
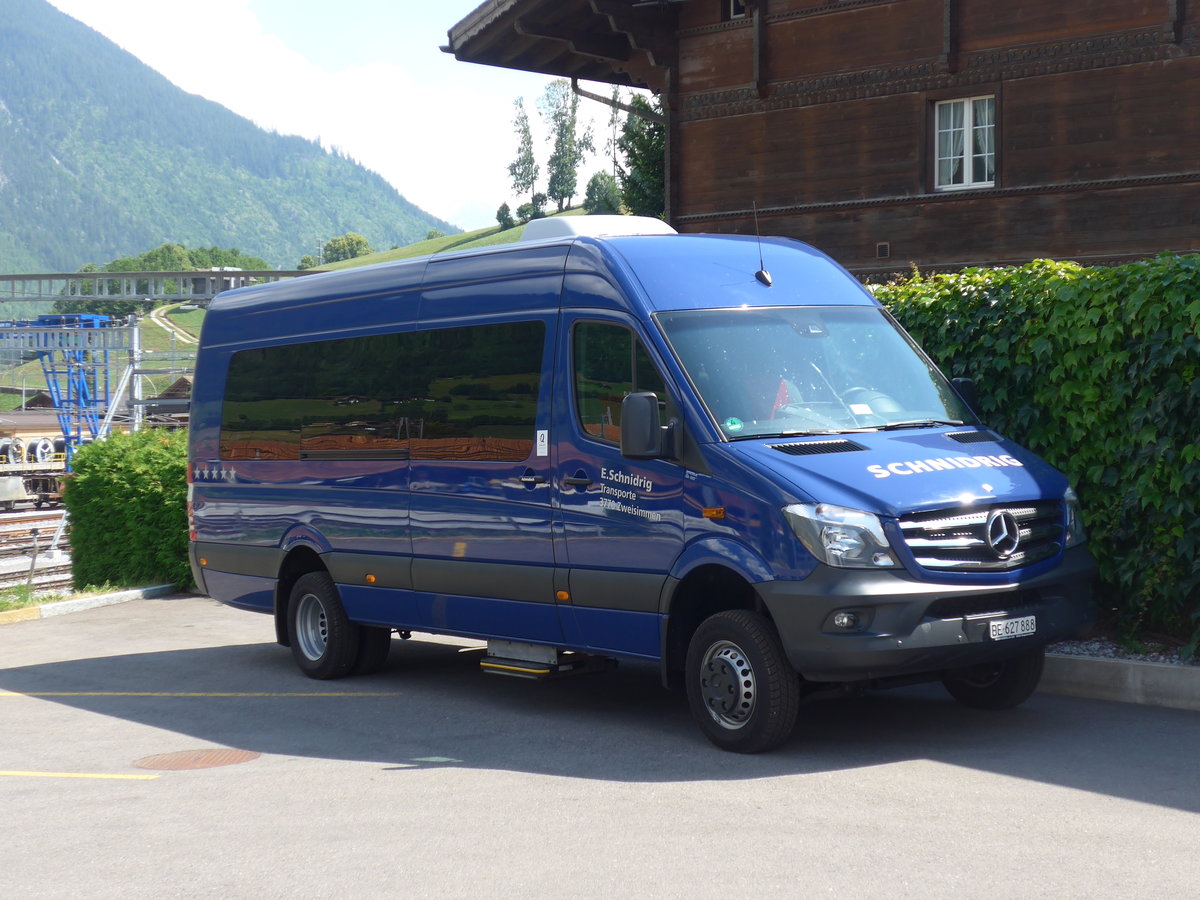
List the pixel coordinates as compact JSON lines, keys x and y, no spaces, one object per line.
{"x":809,"y":370}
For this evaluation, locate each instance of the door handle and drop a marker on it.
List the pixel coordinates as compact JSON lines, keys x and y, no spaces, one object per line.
{"x":579,"y":479}
{"x":530,"y":478}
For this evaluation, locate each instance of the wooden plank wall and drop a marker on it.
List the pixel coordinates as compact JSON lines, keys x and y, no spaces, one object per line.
{"x":821,"y":115}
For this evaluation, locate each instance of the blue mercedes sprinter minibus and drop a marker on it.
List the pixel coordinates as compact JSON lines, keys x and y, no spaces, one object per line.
{"x":716,"y":452}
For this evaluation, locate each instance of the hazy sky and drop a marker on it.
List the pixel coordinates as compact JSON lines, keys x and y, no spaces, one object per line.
{"x":365,"y":76}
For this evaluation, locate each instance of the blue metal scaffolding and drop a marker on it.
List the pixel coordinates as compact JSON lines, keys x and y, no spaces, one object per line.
{"x":76,"y":353}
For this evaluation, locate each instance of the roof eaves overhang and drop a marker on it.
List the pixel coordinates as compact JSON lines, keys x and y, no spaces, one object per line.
{"x":614,"y":41}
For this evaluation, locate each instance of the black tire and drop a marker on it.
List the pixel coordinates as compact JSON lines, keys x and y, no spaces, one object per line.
{"x":325,"y":643}
{"x":997,"y":685}
{"x":741,"y":689}
{"x":373,"y":646}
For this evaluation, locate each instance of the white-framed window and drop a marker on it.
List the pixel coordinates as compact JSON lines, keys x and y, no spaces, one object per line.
{"x":735,"y":9}
{"x":966,"y":143}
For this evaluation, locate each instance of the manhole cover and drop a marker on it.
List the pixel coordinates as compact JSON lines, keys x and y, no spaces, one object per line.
{"x":196,"y":759}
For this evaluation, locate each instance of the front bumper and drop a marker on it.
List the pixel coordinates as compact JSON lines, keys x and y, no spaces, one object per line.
{"x":910,"y":627}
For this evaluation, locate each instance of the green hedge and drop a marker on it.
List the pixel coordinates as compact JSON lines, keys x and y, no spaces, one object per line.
{"x":1098,"y":371}
{"x":127,"y":499}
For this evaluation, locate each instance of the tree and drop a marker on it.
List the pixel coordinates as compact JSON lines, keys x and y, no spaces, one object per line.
{"x":559,"y":106}
{"x":308,"y":261}
{"x":611,"y":143}
{"x":215,"y":257}
{"x":534,"y":210}
{"x":504,"y":217}
{"x":524,"y":169}
{"x":167,"y":258}
{"x":348,"y":246}
{"x":434,"y":233}
{"x":603,"y":194}
{"x":644,"y":143}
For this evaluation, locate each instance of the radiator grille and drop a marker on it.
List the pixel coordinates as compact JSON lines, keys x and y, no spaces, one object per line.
{"x":958,"y":607}
{"x":979,"y":540}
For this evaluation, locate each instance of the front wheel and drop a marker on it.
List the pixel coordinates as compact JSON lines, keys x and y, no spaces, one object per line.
{"x":741,"y":689}
{"x":997,"y":685}
{"x":325,"y":643}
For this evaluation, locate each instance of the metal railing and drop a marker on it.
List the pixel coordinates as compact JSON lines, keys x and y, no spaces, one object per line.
{"x":144,"y":286}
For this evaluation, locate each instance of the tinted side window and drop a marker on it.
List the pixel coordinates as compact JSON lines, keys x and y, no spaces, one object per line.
{"x":319,"y":399}
{"x":609,"y":364}
{"x":459,"y":393}
{"x":479,"y":391}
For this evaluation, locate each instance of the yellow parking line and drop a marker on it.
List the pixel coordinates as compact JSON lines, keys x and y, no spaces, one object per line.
{"x":196,"y":694}
{"x":25,"y":614}
{"x":77,"y":775}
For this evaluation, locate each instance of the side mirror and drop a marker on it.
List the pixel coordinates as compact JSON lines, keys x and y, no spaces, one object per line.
{"x":642,"y":434}
{"x":968,"y":392}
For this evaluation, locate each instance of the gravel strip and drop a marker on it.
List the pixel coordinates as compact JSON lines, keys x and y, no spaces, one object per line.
{"x":1106,"y":649}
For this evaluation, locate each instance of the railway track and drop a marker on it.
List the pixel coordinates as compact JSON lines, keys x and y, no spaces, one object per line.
{"x":45,"y":578}
{"x":23,"y":533}
{"x":25,"y":539}
{"x":16,"y":520}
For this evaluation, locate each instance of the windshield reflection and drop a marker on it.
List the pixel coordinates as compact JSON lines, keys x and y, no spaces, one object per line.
{"x":808,"y":370}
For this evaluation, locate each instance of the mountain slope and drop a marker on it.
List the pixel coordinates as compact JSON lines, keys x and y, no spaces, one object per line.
{"x":102,"y":157}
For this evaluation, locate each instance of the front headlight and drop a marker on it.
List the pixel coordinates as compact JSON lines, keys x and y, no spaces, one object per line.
{"x":1075,"y":532}
{"x":837,"y":536}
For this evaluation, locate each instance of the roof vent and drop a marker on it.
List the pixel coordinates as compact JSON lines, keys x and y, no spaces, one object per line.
{"x":816,"y":448}
{"x":593,"y":226}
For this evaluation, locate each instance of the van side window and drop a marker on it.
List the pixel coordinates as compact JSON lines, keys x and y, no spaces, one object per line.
{"x":477,"y":390}
{"x":321,"y":399}
{"x":454,"y":393}
{"x":609,"y":364}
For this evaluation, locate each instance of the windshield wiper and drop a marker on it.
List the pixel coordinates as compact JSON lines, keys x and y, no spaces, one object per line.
{"x":919,"y":423}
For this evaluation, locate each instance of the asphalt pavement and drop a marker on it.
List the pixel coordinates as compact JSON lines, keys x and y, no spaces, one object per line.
{"x":168,"y":747}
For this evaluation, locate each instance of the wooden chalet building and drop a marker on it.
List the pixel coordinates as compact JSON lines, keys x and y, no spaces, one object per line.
{"x":943,"y":133}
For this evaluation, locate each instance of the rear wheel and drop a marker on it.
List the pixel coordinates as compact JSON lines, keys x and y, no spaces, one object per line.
{"x":997,"y":685}
{"x":325,"y":643}
{"x":741,"y":689}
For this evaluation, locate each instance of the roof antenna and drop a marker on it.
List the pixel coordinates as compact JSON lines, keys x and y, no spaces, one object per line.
{"x":762,"y":274}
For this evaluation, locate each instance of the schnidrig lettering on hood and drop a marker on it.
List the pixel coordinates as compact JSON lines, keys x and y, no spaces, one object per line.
{"x":942,"y":464}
